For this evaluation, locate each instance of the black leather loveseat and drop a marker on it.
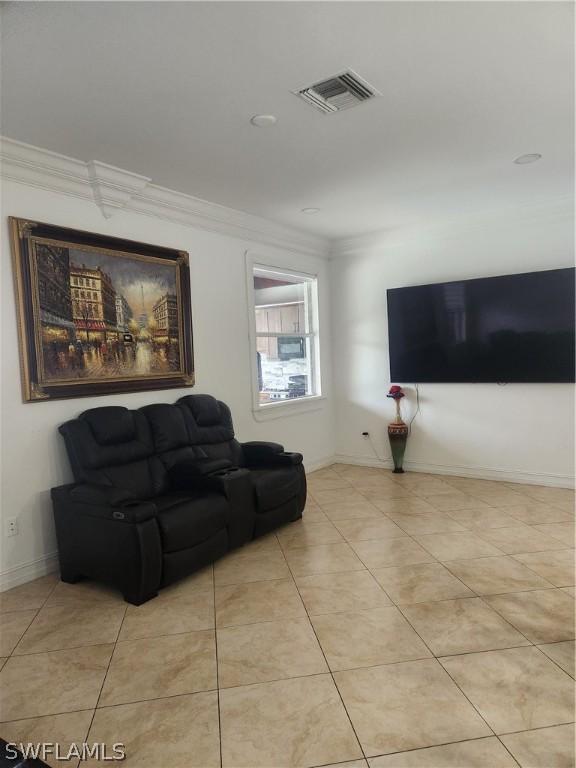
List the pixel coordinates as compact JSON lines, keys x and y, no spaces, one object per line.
{"x":164,"y":490}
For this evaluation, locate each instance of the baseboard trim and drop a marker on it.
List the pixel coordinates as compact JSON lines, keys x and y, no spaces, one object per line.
{"x":312,"y":466}
{"x":480,"y":473}
{"x":20,"y":574}
{"x":362,"y":461}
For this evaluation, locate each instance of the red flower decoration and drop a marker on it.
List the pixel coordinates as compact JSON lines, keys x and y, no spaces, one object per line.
{"x":395,"y":392}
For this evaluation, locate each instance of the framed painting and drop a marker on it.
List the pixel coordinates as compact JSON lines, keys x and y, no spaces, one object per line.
{"x":99,"y":315}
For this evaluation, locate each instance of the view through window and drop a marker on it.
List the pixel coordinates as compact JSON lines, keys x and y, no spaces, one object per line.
{"x":286,"y":335}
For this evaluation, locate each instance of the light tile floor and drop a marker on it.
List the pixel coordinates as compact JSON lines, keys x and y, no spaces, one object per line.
{"x":408,"y":621}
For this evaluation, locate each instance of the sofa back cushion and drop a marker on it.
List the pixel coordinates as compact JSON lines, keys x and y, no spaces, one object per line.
{"x":210,"y":428}
{"x":170,"y":436}
{"x":134,"y":450}
{"x":113,"y":446}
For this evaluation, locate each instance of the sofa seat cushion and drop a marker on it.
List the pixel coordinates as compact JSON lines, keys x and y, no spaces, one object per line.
{"x":186,"y":520}
{"x":274,"y":487}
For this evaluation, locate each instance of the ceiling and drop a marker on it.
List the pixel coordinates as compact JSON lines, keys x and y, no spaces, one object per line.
{"x":167,"y":90}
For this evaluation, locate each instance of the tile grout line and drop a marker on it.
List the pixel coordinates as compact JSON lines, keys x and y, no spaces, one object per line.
{"x":478,"y":711}
{"x":554,"y":660}
{"x":118,"y":639}
{"x":330,"y":672}
{"x":38,"y":717}
{"x":509,"y":752}
{"x":342,"y":762}
{"x":106,"y":674}
{"x":532,"y":642}
{"x":217,"y":666}
{"x":487,"y":604}
{"x":48,"y":596}
{"x":59,"y":650}
{"x":112,"y":706}
{"x":537,"y":728}
{"x":406,"y":751}
{"x":433,"y":746}
{"x":129,"y":640}
{"x":557,"y":586}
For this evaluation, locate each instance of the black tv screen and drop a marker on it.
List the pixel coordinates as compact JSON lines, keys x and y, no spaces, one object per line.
{"x":514,"y":328}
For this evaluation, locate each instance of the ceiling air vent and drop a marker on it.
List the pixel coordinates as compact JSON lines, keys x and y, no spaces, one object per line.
{"x":338,"y":92}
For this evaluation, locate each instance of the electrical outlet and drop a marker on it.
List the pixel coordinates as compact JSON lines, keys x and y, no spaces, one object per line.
{"x":365,"y":434}
{"x":11,"y":526}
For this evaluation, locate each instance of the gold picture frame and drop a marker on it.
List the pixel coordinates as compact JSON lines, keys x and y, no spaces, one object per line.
{"x":99,"y":315}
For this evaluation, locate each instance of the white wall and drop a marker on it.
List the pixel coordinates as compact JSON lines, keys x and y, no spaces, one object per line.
{"x":33,"y":457}
{"x":516,"y":432}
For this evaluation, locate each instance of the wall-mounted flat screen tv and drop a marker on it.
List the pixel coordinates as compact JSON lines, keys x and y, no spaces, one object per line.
{"x":513,"y":328}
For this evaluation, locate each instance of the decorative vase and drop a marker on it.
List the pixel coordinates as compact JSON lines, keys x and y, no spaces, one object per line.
{"x":397,"y":432}
{"x":398,"y":435}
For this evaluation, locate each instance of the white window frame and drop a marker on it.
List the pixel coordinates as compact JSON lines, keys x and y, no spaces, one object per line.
{"x":280,"y":408}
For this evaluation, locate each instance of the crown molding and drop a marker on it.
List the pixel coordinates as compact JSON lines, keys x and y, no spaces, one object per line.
{"x":114,"y":189}
{"x":554,"y":209}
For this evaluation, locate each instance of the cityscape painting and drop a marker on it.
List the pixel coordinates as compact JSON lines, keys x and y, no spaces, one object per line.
{"x":98,"y":314}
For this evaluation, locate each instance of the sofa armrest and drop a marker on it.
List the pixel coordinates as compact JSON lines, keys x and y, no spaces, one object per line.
{"x":100,"y":494}
{"x":281,"y":460}
{"x":104,"y":502}
{"x":120,"y":544}
{"x":262,"y":454}
{"x":191,"y":474}
{"x":258,"y":452}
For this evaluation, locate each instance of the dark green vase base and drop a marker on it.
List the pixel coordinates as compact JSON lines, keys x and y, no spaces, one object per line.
{"x":398,"y":435}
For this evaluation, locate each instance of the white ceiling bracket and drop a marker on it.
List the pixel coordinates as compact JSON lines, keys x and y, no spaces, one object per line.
{"x":113,"y":188}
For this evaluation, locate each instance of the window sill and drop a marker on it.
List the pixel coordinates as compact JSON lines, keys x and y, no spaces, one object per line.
{"x":284,"y":408}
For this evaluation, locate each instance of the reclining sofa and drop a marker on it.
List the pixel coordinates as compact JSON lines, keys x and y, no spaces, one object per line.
{"x":162,"y":491}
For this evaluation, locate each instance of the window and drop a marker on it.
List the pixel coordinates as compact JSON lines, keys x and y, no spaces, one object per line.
{"x":285,"y":336}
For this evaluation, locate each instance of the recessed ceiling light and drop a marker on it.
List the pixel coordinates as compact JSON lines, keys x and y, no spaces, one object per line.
{"x":264,"y":121}
{"x":525,"y":159}
{"x":310,"y":211}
